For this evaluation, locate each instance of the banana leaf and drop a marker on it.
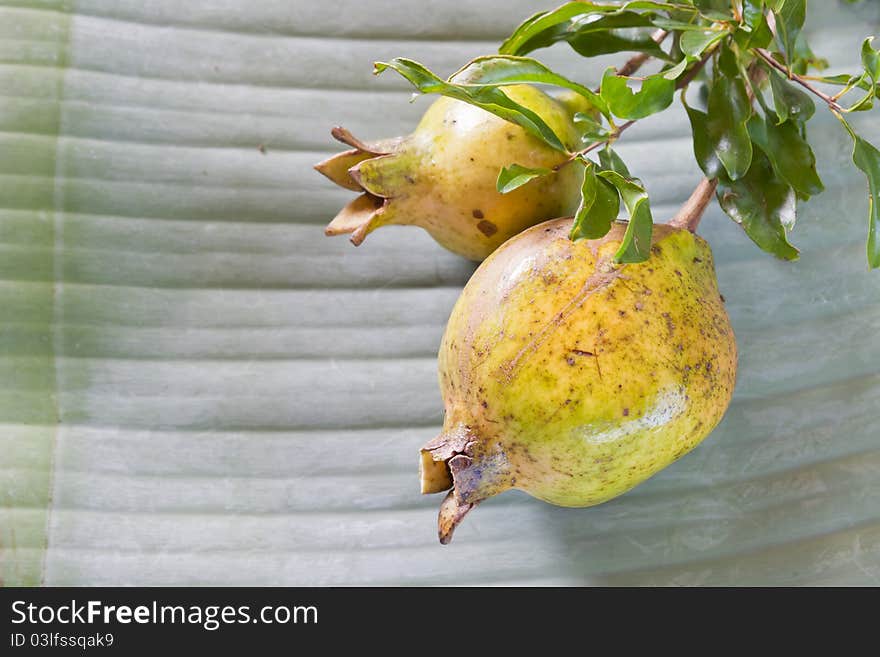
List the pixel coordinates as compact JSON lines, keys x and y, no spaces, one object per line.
{"x":197,"y":387}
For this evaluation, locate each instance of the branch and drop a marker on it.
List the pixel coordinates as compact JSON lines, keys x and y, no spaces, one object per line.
{"x":767,"y":57}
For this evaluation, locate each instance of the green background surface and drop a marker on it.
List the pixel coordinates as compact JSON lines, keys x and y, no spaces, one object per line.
{"x":197,"y":387}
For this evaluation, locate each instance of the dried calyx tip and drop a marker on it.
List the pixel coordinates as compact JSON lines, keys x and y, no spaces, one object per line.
{"x":452,"y":512}
{"x":450,"y":461}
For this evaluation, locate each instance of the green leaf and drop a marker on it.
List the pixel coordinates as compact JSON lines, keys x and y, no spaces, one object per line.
{"x":604,"y":43}
{"x":871,"y":60}
{"x":501,"y":70}
{"x":755,"y":31}
{"x":674,"y":72}
{"x":763,"y":204}
{"x":636,"y":244}
{"x":491,"y":99}
{"x":728,"y":110}
{"x":843,"y":79}
{"x":599,"y":206}
{"x":871,"y":77}
{"x":694,"y":43}
{"x":548,"y":27}
{"x":609,"y":160}
{"x":753,"y":12}
{"x":515,"y":175}
{"x":576,"y":29}
{"x":590,"y":129}
{"x":678,"y":26}
{"x":714,"y":9}
{"x":704,"y":151}
{"x":790,"y":17}
{"x":654,"y":96}
{"x":866,"y":102}
{"x":539,"y":23}
{"x":536,"y":25}
{"x":728,"y":62}
{"x":788,"y":152}
{"x":789,"y":101}
{"x":867,"y":158}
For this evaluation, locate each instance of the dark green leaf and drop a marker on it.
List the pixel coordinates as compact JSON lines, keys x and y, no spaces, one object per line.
{"x":789,"y":101}
{"x":603,"y":43}
{"x":755,"y":31}
{"x":790,"y":19}
{"x":727,"y":62}
{"x":791,"y":156}
{"x":491,"y":99}
{"x":704,"y":152}
{"x":576,"y":29}
{"x":534,"y":26}
{"x":509,"y":178}
{"x":728,"y":110}
{"x":600,"y":204}
{"x":654,"y":96}
{"x":548,"y":27}
{"x":500,"y":70}
{"x":609,"y":160}
{"x":636,"y":243}
{"x":763,"y":205}
{"x":867,"y":158}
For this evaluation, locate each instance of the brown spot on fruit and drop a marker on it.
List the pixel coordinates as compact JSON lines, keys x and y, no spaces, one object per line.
{"x":478,"y":214}
{"x":487,"y":228}
{"x":625,"y":412}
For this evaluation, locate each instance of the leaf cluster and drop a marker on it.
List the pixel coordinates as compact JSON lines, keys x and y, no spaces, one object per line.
{"x":750,"y":60}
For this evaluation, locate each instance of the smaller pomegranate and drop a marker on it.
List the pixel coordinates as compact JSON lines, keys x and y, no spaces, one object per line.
{"x":443,"y":176}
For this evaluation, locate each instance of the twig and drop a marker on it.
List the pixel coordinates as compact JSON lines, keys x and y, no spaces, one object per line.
{"x":767,"y":57}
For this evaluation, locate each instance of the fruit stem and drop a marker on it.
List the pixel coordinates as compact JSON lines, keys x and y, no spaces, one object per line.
{"x":691,"y":211}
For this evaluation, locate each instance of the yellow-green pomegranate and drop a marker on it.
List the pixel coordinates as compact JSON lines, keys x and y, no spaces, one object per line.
{"x":573,"y":378}
{"x":443,"y":176}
